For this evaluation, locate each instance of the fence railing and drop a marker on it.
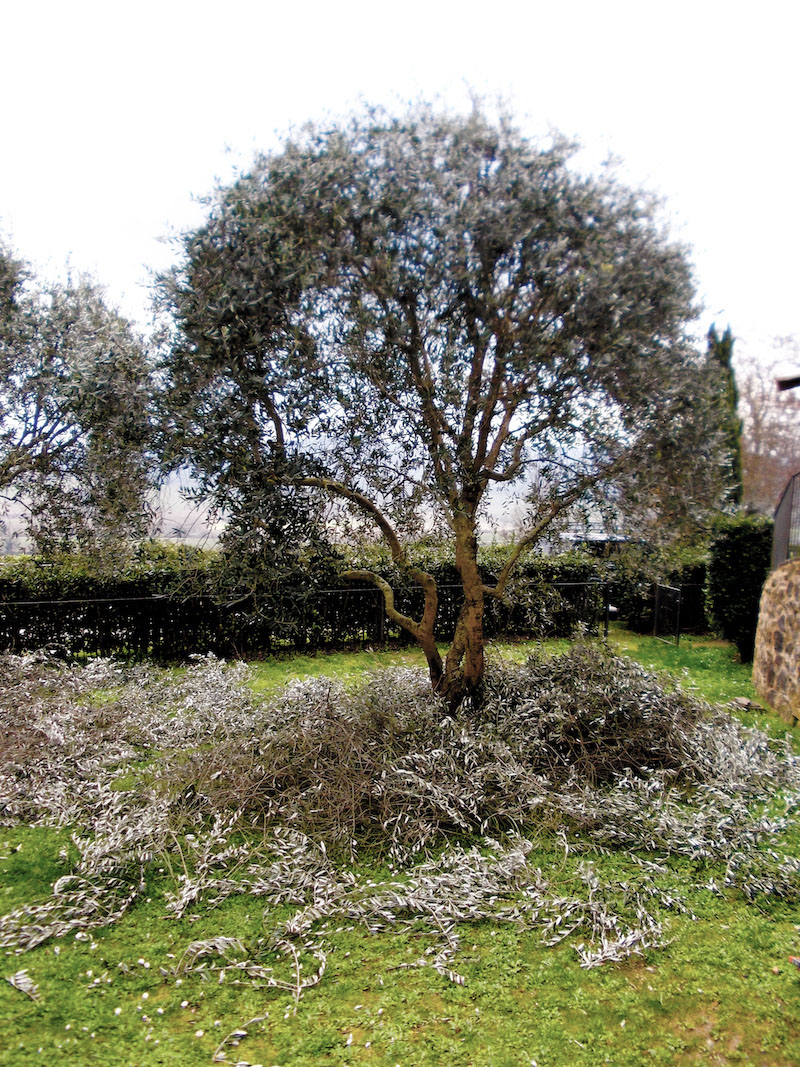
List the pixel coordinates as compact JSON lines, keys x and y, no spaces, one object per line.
{"x":786,"y":532}
{"x":171,"y":629}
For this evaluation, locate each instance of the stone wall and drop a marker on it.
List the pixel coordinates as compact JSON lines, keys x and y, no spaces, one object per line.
{"x":776,"y":664}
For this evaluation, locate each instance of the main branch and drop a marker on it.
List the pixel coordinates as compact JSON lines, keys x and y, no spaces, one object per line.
{"x":423,"y":630}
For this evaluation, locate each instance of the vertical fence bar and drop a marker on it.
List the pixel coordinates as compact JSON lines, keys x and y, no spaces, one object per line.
{"x":667,"y":613}
{"x":655,"y":610}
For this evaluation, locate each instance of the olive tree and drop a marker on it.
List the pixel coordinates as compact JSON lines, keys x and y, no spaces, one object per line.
{"x":404,"y":313}
{"x":74,"y":410}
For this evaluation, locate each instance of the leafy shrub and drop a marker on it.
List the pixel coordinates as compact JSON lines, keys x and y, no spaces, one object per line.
{"x":548,"y":596}
{"x":230,"y":605}
{"x":633,"y":573}
{"x":738,"y":567}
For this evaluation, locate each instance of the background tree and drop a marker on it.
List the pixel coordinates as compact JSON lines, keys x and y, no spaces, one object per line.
{"x":74,"y":423}
{"x":400,"y":314}
{"x":771,"y":437}
{"x":720,"y":351}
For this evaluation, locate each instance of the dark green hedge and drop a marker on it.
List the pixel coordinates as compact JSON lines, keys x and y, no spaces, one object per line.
{"x":738,"y":566}
{"x":169,"y":603}
{"x":633,"y":575}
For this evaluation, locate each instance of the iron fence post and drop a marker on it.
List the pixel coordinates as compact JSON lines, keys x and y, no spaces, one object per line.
{"x":655,"y":611}
{"x":381,"y":619}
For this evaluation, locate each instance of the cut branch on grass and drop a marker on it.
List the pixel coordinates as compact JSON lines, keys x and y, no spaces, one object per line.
{"x":586,"y":746}
{"x":25,"y":984}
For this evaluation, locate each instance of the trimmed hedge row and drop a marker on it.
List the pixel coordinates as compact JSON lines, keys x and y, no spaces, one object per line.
{"x":170,"y":602}
{"x":165,"y":603}
{"x":634,"y":592}
{"x":739,"y":562}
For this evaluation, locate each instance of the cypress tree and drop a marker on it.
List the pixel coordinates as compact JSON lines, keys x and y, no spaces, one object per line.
{"x":720,"y":350}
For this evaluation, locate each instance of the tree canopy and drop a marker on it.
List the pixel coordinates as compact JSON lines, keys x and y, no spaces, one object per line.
{"x":402,"y":313}
{"x":74,"y":410}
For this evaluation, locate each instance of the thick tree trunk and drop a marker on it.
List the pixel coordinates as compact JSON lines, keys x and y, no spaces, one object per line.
{"x":464,"y":666}
{"x":433,"y":658}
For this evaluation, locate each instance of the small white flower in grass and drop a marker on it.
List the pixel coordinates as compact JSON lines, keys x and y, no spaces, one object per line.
{"x":199,"y":1033}
{"x":145,"y":996}
{"x":184,"y":1003}
{"x":118,"y":1011}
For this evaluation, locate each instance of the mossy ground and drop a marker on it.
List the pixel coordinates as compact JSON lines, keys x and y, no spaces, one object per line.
{"x":721,"y":992}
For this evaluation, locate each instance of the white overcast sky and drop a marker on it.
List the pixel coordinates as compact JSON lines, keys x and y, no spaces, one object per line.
{"x":116,"y":114}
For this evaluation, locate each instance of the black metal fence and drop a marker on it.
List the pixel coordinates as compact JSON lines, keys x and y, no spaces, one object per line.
{"x":786,"y":532}
{"x":171,"y":629}
{"x":667,"y":613}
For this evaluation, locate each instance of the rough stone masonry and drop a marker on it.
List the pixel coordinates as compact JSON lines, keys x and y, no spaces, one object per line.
{"x":776,"y":664}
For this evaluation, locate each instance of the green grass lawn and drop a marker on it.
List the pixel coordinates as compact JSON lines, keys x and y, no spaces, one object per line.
{"x":720,"y":992}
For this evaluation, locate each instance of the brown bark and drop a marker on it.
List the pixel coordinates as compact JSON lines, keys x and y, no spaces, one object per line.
{"x":422,"y":631}
{"x":464,"y":665}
